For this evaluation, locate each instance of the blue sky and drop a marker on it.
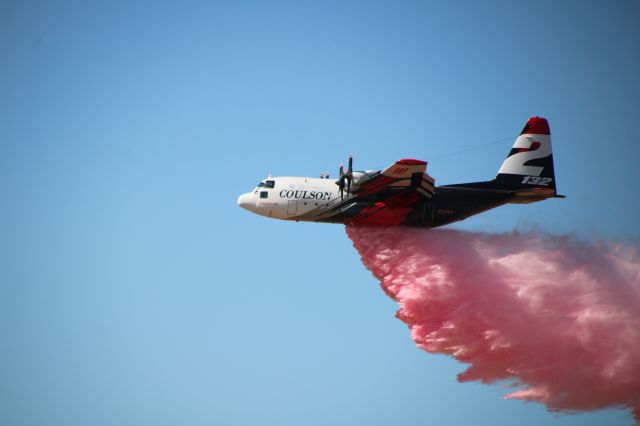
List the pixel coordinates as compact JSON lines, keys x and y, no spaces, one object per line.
{"x":133,"y":290}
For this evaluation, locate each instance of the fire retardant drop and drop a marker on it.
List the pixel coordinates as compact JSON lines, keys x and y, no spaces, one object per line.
{"x":557,"y":317}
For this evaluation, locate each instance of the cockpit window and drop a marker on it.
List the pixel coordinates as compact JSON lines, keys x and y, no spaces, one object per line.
{"x":267,"y":184}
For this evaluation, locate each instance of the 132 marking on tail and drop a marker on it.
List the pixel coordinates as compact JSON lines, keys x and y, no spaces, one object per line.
{"x":404,"y":194}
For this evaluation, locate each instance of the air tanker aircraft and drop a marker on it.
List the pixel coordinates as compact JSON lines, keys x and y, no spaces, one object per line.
{"x":404,"y":194}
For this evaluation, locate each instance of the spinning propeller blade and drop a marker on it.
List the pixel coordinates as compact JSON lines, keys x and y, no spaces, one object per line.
{"x":349,"y":174}
{"x":345,"y":177}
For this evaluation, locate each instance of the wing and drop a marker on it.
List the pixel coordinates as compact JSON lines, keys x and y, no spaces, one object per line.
{"x":395,"y":193}
{"x":384,"y":197}
{"x":405,"y":174}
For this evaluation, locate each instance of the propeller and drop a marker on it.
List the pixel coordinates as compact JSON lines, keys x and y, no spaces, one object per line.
{"x":345,"y":178}
{"x":349,"y":174}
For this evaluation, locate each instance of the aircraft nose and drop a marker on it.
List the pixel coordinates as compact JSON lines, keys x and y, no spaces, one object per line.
{"x":246,"y":201}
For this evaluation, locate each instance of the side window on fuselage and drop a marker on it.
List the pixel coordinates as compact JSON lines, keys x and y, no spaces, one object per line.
{"x":264,"y":194}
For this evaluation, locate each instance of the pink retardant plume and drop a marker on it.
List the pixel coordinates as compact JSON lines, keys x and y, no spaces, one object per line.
{"x":556,"y":317}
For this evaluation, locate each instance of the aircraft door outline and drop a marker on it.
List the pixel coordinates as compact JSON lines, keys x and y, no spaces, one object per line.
{"x":292,"y":207}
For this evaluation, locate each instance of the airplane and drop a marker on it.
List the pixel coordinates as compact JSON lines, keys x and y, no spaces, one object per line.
{"x":404,"y":194}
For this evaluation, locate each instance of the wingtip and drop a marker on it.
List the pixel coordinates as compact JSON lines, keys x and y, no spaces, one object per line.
{"x":411,"y":162}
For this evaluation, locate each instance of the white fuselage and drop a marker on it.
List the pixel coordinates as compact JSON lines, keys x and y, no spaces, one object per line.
{"x":292,"y":198}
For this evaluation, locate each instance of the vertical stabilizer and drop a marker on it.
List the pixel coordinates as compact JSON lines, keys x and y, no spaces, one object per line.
{"x":529,"y":164}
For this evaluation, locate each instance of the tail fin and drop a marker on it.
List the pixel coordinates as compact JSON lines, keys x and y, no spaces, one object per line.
{"x":527,"y":173}
{"x":529,"y":164}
